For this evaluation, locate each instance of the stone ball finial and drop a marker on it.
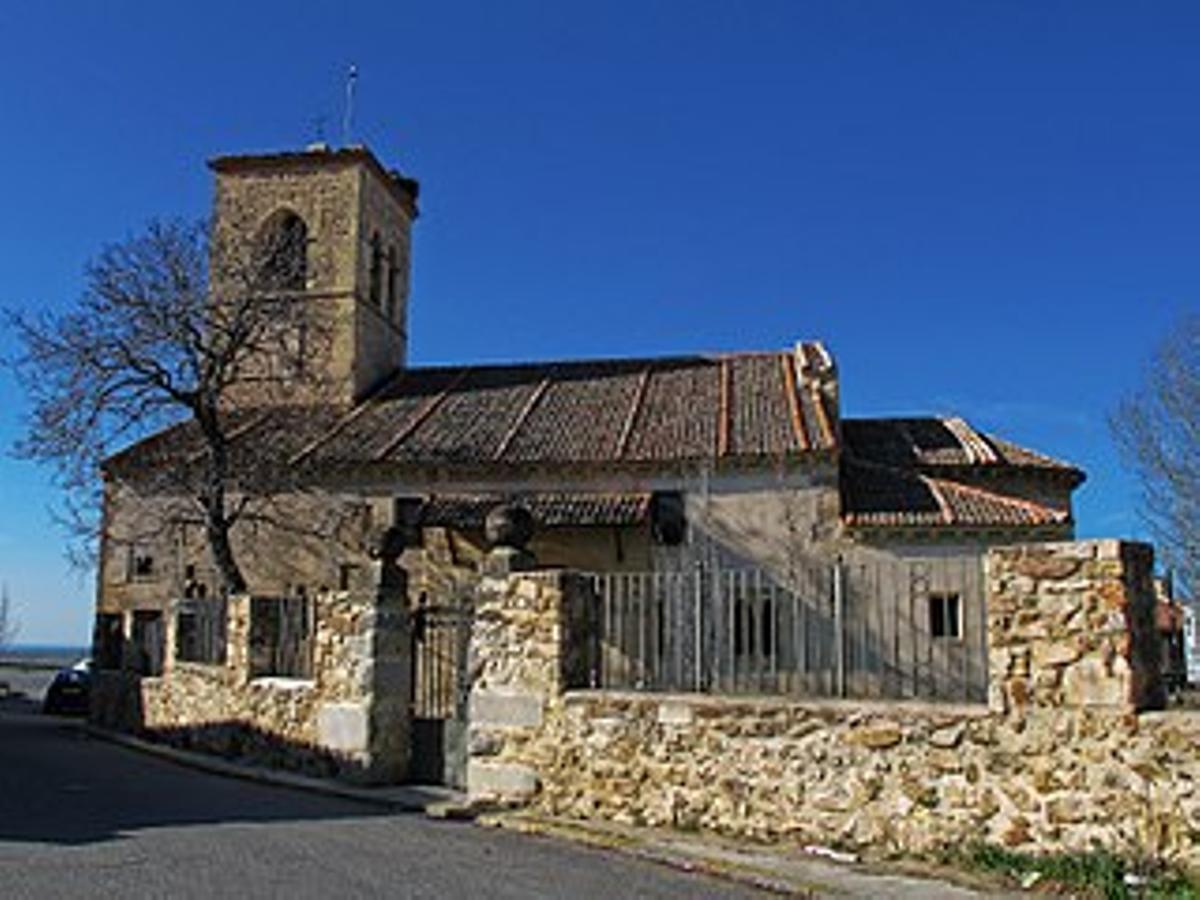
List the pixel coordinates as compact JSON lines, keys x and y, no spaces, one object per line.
{"x":508,"y":525}
{"x":386,"y":544}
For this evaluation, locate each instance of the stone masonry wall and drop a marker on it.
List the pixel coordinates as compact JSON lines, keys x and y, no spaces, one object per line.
{"x":1063,"y":757}
{"x":522,"y":658}
{"x":896,"y":778}
{"x":1072,"y":625}
{"x":349,"y":719}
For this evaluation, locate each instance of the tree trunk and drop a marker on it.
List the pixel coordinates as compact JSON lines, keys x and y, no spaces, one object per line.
{"x":217,"y":531}
{"x":216,"y":518}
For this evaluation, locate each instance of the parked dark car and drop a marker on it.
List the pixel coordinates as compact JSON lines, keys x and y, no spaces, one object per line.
{"x":70,"y":691}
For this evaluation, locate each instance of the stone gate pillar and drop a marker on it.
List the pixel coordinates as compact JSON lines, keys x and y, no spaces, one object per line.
{"x":528,"y":645}
{"x":372,"y":725}
{"x":1072,"y":626}
{"x":391,"y":667}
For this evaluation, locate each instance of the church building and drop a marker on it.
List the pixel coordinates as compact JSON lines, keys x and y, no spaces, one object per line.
{"x":732,"y":480}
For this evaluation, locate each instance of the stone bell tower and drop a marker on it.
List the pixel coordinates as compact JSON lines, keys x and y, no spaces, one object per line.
{"x":341,"y":225}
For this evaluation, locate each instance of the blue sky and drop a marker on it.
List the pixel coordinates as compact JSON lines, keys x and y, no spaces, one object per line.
{"x":987,"y":209}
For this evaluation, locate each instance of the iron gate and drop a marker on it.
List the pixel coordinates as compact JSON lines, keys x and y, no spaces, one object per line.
{"x":440,"y":635}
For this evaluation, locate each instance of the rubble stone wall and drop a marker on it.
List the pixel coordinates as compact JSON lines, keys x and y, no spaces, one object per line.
{"x":524,"y":654}
{"x":349,"y":719}
{"x":890,"y":778}
{"x":1071,"y":625}
{"x":1066,"y":755}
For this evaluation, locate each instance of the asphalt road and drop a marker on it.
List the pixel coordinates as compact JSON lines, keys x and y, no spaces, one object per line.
{"x":80,"y":817}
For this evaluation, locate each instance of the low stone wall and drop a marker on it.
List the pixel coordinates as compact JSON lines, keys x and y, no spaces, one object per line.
{"x":896,"y":778}
{"x":1063,"y":756}
{"x":350,"y":719}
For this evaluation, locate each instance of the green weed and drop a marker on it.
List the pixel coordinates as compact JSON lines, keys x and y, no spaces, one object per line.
{"x":1093,"y":874}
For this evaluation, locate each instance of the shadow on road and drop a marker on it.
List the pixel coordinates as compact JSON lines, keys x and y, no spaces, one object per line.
{"x":60,"y":786}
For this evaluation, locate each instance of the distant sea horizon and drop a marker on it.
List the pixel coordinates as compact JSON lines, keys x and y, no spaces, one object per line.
{"x":64,"y":653}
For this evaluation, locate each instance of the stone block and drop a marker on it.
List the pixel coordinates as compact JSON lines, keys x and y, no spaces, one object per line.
{"x":507,"y":709}
{"x":482,"y":742}
{"x":1087,"y":683}
{"x":876,"y":735}
{"x":508,"y":781}
{"x":948,"y":737}
{"x":1058,"y":654}
{"x":1047,"y":567}
{"x":343,"y":727}
{"x":675,"y":714}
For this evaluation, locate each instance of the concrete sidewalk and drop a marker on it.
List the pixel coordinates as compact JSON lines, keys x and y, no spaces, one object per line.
{"x":771,"y":868}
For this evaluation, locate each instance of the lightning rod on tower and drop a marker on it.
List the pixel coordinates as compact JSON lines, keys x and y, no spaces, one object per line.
{"x":348,"y":119}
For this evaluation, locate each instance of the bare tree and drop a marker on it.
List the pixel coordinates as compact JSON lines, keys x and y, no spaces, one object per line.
{"x":1158,"y":432}
{"x":179,"y":335}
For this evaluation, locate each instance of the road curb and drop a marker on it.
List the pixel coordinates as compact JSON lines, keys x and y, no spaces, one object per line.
{"x":635,"y":846}
{"x":432,"y":801}
{"x":788,"y":872}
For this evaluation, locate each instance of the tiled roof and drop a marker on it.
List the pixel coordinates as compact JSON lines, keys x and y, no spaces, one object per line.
{"x":883,"y":496}
{"x":744,"y":406}
{"x":910,"y":472}
{"x":612,"y":411}
{"x":260,"y":439}
{"x":932,"y":443}
{"x":548,"y":510}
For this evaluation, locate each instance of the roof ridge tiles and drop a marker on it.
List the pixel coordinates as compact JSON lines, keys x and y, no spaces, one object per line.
{"x":938,"y":497}
{"x":1031,"y":505}
{"x":978,"y":451}
{"x":792,"y":386}
{"x":635,"y":408}
{"x":725,"y":413}
{"x":522,"y":415}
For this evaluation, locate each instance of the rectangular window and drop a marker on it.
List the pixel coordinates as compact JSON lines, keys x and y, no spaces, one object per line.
{"x":348,"y":576}
{"x":200,"y":628}
{"x":108,"y":640}
{"x":140,"y":565}
{"x":945,"y":615}
{"x":148,"y":643}
{"x":281,"y":636}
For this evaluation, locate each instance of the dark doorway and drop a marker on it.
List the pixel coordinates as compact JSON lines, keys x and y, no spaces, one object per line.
{"x":440,"y":635}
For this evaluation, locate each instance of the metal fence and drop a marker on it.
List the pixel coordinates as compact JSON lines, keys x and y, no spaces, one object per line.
{"x":882,"y":628}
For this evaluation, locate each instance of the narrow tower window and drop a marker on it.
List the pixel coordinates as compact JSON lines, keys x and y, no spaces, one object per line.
{"x":376,"y":276}
{"x":282,"y":253}
{"x":392,"y":273}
